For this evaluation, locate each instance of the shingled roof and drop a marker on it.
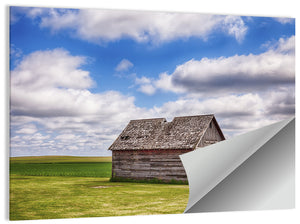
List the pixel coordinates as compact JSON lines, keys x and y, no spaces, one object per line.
{"x":180,"y":133}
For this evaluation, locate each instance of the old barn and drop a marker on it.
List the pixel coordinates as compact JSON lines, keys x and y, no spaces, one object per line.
{"x":150,"y":148}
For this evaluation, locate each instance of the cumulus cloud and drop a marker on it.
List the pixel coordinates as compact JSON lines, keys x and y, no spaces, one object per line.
{"x":284,"y":20}
{"x":145,"y":85}
{"x":235,"y":74}
{"x":231,"y":105}
{"x":50,"y":90}
{"x":52,"y":68}
{"x":165,"y":82}
{"x":256,"y":90}
{"x":143,"y":80}
{"x":281,"y":102}
{"x":110,"y":25}
{"x":236,"y":114}
{"x":28,"y":129}
{"x":50,"y":83}
{"x":95,"y":129}
{"x":235,"y":26}
{"x":53,"y":111}
{"x":286,"y":46}
{"x":147,"y":89}
{"x":17,"y":12}
{"x":124,"y":65}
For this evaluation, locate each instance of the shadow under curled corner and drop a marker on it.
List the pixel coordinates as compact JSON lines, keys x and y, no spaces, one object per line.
{"x":253,"y":171}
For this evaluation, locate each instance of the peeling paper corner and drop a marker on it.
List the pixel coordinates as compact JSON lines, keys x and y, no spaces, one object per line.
{"x":253,"y":171}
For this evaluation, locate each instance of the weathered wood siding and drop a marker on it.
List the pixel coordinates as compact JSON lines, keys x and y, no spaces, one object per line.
{"x":211,"y":136}
{"x":148,"y":164}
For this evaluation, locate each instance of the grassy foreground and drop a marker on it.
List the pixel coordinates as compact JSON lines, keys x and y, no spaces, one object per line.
{"x":54,"y":196}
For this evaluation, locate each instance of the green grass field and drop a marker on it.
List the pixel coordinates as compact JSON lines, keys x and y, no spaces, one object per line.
{"x":74,"y":187}
{"x":59,"y":159}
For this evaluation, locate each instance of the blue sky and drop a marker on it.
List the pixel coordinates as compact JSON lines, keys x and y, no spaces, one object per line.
{"x":79,"y":76}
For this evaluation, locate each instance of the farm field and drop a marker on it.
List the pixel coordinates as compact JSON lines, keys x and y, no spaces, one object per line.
{"x":48,"y":188}
{"x":61,"y":166}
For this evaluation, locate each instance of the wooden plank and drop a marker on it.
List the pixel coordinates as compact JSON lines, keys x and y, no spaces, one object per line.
{"x":150,"y":165}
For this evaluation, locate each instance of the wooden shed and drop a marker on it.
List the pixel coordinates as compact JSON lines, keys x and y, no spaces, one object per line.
{"x":150,"y":148}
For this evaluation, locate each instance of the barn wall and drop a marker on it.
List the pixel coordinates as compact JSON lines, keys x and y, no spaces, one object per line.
{"x":211,"y":136}
{"x":148,"y":164}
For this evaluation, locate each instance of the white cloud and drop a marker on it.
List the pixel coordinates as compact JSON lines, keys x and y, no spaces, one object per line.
{"x":15,"y":52}
{"x":284,"y":20}
{"x":236,"y":113}
{"x":124,"y":65}
{"x":227,"y":106}
{"x":165,"y":82}
{"x":147,"y":89}
{"x":280,"y":102}
{"x":145,"y":85}
{"x":33,"y":12}
{"x":17,"y":12}
{"x":111,"y":25}
{"x":53,"y":111}
{"x":67,"y":137}
{"x":50,"y":83}
{"x":142,"y":81}
{"x":52,"y":68}
{"x":48,"y":88}
{"x":37,"y":137}
{"x":28,"y":129}
{"x":286,"y":46}
{"x":72,"y":120}
{"x":235,"y":74}
{"x":255,"y":90}
{"x":235,"y":26}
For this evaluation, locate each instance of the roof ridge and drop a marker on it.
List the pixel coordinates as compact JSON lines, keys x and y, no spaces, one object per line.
{"x":200,"y":115}
{"x":163,"y":118}
{"x":145,"y":119}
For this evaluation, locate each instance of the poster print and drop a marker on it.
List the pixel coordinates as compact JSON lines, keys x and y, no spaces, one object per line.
{"x":103,"y":102}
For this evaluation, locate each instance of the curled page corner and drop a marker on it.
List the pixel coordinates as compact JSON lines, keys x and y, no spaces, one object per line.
{"x":253,"y":171}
